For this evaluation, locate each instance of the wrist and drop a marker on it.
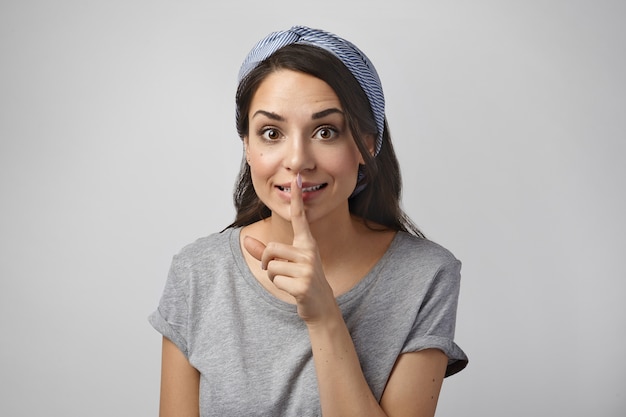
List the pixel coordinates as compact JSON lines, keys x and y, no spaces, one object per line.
{"x":330,"y":321}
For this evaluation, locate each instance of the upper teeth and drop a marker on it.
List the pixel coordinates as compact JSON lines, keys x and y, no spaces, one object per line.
{"x":313,"y":188}
{"x":304,"y":190}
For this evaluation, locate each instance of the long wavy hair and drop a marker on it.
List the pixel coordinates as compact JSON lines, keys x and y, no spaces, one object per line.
{"x":378,"y":201}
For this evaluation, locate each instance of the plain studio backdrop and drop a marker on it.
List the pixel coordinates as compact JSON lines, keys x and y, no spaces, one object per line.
{"x":118,"y":147}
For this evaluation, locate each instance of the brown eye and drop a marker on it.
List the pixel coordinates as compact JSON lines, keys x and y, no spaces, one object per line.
{"x":325,"y":133}
{"x":271,"y":134}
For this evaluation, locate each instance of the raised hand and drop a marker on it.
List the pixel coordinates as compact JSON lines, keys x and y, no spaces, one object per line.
{"x":297,"y":268}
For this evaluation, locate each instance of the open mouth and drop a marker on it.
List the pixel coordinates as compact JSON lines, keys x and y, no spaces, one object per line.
{"x":305,"y":189}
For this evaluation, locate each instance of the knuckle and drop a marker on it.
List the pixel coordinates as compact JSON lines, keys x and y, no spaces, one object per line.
{"x":309,"y":258}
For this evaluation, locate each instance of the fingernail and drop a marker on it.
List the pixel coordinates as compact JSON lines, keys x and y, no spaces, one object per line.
{"x":299,"y":180}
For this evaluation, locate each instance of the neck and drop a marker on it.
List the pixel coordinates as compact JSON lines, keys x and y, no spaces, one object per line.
{"x":333,"y":236}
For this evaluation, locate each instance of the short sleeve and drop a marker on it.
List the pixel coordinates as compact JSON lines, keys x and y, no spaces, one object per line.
{"x":434,"y":324}
{"x":171,"y":318}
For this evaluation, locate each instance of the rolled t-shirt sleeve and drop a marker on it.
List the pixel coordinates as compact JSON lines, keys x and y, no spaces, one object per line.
{"x":434,"y":324}
{"x":171,"y":318}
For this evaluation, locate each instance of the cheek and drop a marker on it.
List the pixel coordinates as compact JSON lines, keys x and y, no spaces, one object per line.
{"x":347,"y":160}
{"x":261,"y":164}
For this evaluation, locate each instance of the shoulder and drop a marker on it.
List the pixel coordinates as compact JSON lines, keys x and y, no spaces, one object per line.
{"x":207,"y":249}
{"x":412,"y":249}
{"x":420,"y":261}
{"x":204,"y":263}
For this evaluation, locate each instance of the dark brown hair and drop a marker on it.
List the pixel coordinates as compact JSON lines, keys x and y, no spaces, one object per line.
{"x":378,"y":203}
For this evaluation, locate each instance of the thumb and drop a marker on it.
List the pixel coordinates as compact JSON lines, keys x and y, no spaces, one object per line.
{"x":254,"y":247}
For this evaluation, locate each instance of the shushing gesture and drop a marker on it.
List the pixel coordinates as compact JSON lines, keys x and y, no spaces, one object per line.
{"x":297,"y":268}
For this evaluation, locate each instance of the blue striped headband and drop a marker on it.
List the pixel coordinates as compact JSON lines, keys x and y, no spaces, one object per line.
{"x":356,"y":61}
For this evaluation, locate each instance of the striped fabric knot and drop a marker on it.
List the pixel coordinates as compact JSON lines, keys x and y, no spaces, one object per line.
{"x":352,"y":57}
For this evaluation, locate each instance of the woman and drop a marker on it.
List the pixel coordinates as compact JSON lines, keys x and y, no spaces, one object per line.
{"x":321,"y":298}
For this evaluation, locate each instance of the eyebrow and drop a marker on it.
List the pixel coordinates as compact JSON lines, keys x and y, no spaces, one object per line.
{"x":269,"y":115}
{"x":315,"y":116}
{"x":325,"y":113}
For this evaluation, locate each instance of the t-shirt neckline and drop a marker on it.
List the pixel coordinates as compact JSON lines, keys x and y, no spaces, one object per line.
{"x":342,"y":300}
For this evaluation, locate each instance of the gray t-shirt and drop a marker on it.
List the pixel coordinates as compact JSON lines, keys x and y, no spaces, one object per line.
{"x":253,"y":351}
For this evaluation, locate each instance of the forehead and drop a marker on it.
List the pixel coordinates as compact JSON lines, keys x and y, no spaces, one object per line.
{"x":290,"y":90}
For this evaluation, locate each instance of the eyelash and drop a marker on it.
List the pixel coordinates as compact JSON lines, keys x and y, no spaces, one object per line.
{"x":265,"y":130}
{"x":334,"y":132}
{"x":262,"y":133}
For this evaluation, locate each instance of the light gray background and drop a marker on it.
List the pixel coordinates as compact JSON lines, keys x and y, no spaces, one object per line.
{"x":118,"y":147}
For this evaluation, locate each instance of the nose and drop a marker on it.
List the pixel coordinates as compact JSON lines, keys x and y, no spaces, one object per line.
{"x":298,"y":154}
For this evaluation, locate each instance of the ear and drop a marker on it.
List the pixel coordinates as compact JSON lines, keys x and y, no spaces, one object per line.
{"x":245,"y":147}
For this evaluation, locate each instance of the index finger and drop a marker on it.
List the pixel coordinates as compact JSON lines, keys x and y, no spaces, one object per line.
{"x":299,"y":223}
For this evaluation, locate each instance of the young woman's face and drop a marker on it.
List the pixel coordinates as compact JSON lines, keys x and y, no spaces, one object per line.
{"x":297,"y":125}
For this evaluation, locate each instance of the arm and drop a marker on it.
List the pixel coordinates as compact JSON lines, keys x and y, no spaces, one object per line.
{"x":414,"y":385}
{"x":412,"y":390}
{"x":180,"y":383}
{"x":342,"y":387}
